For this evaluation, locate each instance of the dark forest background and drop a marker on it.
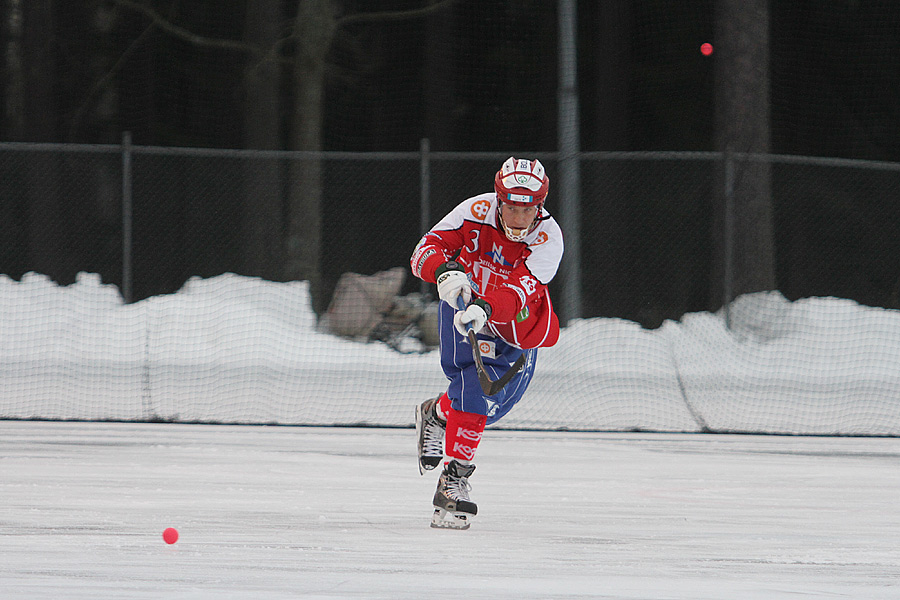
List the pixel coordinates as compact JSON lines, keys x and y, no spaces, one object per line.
{"x":805,"y":78}
{"x":467,"y":75}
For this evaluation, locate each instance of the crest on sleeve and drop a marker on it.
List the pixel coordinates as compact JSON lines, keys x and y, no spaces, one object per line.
{"x":480,"y":209}
{"x":529,"y":284}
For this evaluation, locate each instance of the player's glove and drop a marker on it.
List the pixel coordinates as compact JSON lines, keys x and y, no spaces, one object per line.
{"x":476,"y":314}
{"x":452,"y":282}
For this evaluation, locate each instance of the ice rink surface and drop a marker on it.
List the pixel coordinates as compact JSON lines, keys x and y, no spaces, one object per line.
{"x":296,"y":512}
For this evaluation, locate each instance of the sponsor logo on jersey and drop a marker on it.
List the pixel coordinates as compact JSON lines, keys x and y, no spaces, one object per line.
{"x":528,"y":283}
{"x":480,"y":209}
{"x":423,"y":258}
{"x":523,"y":314}
{"x":496,"y":255}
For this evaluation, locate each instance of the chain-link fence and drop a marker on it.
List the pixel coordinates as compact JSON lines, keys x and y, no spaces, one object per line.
{"x":147,"y":219}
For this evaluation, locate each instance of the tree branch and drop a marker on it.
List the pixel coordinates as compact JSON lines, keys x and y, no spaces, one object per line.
{"x":101,"y":85}
{"x":395,"y":15}
{"x":205,"y":42}
{"x":188,"y":36}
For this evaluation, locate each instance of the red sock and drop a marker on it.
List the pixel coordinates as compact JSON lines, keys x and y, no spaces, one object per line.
{"x":463,"y":434}
{"x":444,"y":406}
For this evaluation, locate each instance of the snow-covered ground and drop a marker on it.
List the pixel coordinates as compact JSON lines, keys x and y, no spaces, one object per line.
{"x":335,"y":513}
{"x":322,"y":512}
{"x":237,"y":349}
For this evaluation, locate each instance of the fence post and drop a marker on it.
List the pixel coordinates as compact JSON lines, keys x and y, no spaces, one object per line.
{"x":569,"y":162}
{"x":424,"y":197}
{"x":728,"y":275}
{"x":126,"y":217}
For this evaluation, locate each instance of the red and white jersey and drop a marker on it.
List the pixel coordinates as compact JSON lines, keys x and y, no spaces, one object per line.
{"x":511,"y":276}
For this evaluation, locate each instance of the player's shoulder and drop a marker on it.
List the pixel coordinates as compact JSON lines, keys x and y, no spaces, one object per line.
{"x":469,"y":213}
{"x":477,"y":208}
{"x":547,"y":235}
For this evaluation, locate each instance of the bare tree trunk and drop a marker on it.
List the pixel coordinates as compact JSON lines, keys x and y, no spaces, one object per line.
{"x":12,"y":127}
{"x":743,"y":126}
{"x":263,"y":214}
{"x":440,"y":93}
{"x":41,"y":112}
{"x":313,"y":29}
{"x":609,"y":130}
{"x":50,"y":227}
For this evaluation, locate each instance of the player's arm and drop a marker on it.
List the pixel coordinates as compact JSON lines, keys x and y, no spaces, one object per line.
{"x":446,"y":238}
{"x":509,"y":299}
{"x":433,"y":250}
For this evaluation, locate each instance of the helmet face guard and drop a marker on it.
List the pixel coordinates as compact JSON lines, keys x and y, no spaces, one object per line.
{"x":521,"y":182}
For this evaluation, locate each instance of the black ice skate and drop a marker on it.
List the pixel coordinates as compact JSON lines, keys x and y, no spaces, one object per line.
{"x":452,"y":507}
{"x":429,"y":436}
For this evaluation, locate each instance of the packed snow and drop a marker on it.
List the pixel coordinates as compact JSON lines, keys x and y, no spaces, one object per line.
{"x":608,"y":512}
{"x":234,"y":349}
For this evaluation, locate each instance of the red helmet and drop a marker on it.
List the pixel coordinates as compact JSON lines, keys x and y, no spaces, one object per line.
{"x":521,"y":182}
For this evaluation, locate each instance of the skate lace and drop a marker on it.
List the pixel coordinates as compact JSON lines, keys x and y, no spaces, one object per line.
{"x":433,"y":442}
{"x":458,"y":488}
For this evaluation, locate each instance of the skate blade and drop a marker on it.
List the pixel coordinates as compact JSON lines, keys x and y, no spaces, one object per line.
{"x":442,"y":519}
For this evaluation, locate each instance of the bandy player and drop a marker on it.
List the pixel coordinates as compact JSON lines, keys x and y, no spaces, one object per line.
{"x":497,"y":251}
